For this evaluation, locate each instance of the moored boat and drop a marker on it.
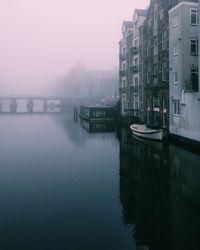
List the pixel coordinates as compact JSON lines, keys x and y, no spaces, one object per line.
{"x":143,"y":131}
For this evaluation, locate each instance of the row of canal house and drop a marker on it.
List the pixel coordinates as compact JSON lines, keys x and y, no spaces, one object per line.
{"x":158,"y":67}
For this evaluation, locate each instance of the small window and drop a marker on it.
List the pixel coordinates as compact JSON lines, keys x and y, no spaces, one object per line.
{"x":165,"y":71}
{"x":194,"y":78}
{"x":175,"y":77}
{"x":194,"y":16}
{"x":176,"y":107}
{"x":175,"y":21}
{"x":136,"y":62}
{"x":136,"y":80}
{"x":136,"y":105}
{"x":194,"y":47}
{"x":155,"y":50}
{"x":148,"y":74}
{"x":124,"y":66}
{"x":123,"y":83}
{"x":175,"y":49}
{"x":136,"y":43}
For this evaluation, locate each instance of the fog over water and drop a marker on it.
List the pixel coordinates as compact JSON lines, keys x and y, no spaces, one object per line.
{"x":42,"y":39}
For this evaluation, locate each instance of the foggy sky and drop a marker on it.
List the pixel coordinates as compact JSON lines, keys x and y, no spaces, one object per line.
{"x":42,"y":39}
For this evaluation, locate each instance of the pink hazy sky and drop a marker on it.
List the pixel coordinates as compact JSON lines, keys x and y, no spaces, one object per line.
{"x":42,"y":39}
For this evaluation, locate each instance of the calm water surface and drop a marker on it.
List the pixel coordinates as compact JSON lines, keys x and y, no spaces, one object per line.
{"x":64,"y":188}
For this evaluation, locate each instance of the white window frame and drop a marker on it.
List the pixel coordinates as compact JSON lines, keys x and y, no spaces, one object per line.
{"x":175,"y":77}
{"x":156,"y":102}
{"x":175,"y":49}
{"x":195,"y":42}
{"x":176,"y":107}
{"x":194,"y":11}
{"x":175,"y":21}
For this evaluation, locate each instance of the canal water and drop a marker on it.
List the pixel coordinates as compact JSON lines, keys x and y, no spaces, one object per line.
{"x":62,"y":187}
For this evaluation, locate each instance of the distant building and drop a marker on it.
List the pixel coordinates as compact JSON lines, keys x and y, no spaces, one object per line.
{"x":129,"y":80}
{"x":124,"y":78}
{"x":136,"y":87}
{"x":184,"y":94}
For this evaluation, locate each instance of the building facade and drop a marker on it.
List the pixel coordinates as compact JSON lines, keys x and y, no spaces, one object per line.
{"x":124,"y":78}
{"x":156,"y":64}
{"x":129,"y":61}
{"x":184,"y":94}
{"x":136,"y":89}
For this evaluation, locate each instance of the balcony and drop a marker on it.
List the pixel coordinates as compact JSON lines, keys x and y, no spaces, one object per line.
{"x":134,"y":69}
{"x":122,"y":90}
{"x":192,"y":85}
{"x":122,"y":57}
{"x":122,"y":72}
{"x":135,"y":89}
{"x":134,"y":50}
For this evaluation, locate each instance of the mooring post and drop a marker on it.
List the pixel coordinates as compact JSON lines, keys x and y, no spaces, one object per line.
{"x":75,"y":114}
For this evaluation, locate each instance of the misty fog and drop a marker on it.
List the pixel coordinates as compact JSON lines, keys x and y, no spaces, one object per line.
{"x":43,"y":41}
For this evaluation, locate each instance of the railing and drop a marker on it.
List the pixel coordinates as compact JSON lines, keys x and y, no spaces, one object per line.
{"x":122,"y":72}
{"x":134,"y":89}
{"x":134,"y":69}
{"x":122,"y":90}
{"x":134,"y":50}
{"x":122,"y":57}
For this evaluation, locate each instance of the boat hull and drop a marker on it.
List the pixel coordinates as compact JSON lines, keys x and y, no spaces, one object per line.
{"x":147,"y":133}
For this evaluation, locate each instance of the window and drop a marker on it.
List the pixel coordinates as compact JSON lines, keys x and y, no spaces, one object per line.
{"x":136,"y":43}
{"x":194,"y":16}
{"x":176,"y":107}
{"x":99,"y":113}
{"x":156,"y":102}
{"x":160,"y":15}
{"x":148,"y":48}
{"x":194,"y":78}
{"x":155,"y":50}
{"x":141,"y":106}
{"x":136,"y":62}
{"x":148,"y":73}
{"x":175,"y":77}
{"x":123,"y":83}
{"x":136,"y":81}
{"x":155,"y":70}
{"x":175,"y":21}
{"x":165,"y":71}
{"x":165,"y":41}
{"x":175,"y":49}
{"x":136,"y":105}
{"x":155,"y":46}
{"x":194,"y":46}
{"x":124,"y":66}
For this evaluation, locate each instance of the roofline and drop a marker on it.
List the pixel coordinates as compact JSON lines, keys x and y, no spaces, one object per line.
{"x":184,"y":3}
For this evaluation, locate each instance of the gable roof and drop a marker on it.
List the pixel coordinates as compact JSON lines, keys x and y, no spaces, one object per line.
{"x":128,"y":24}
{"x":141,"y":12}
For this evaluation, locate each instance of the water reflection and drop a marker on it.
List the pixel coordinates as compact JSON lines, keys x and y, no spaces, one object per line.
{"x":96,"y":127}
{"x":59,"y":188}
{"x":160,"y":194}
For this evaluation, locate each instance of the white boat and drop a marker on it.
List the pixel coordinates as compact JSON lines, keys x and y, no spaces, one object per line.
{"x":143,"y":131}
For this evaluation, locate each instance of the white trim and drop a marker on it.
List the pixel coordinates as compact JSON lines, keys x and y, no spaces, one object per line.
{"x":184,"y":3}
